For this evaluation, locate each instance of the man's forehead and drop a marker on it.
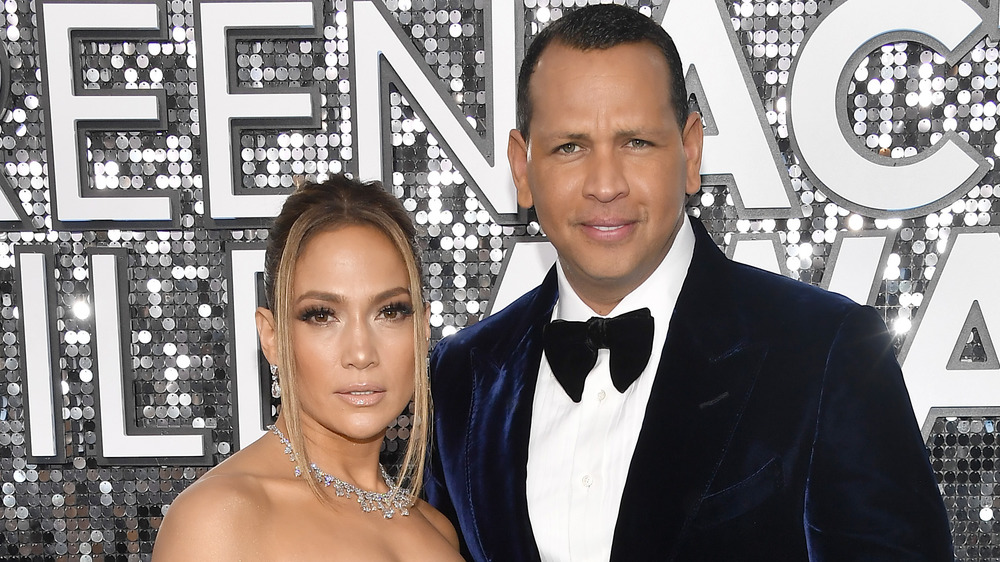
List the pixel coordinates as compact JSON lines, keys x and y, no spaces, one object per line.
{"x":561,"y":62}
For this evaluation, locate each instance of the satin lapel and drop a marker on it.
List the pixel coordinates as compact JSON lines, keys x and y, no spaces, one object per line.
{"x":500,"y":423}
{"x":706,"y":373}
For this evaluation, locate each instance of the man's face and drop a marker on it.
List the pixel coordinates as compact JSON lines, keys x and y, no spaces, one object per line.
{"x":606,"y":167}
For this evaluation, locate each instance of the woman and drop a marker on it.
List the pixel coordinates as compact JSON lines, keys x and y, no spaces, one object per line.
{"x":346,"y":331}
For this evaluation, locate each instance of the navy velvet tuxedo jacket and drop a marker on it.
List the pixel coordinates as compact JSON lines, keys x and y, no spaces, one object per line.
{"x":778,"y":428}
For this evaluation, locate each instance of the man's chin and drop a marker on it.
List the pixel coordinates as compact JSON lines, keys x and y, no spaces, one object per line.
{"x":609,"y":277}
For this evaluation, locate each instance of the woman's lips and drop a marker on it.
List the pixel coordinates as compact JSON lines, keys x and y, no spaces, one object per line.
{"x":361,"y":395}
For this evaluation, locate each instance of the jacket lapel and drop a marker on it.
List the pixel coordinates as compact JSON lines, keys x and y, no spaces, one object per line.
{"x":706,"y":373}
{"x":500,"y":421}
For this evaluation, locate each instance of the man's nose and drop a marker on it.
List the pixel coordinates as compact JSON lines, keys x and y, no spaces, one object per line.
{"x":606,"y":178}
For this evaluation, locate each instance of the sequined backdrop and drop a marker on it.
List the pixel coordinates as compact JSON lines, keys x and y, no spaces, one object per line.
{"x":177,"y":288}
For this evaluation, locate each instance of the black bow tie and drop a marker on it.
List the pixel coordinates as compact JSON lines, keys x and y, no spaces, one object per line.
{"x":571,"y":349}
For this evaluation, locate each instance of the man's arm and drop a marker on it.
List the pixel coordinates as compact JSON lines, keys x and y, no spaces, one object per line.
{"x":871,"y":494}
{"x":443,"y":390}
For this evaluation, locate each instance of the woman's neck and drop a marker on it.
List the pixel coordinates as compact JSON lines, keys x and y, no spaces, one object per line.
{"x":350,"y":460}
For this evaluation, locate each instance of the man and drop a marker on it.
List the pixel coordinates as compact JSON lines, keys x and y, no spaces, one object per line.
{"x":770,"y":420}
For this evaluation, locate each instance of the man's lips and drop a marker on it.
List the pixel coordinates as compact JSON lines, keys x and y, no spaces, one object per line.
{"x":610,"y":230}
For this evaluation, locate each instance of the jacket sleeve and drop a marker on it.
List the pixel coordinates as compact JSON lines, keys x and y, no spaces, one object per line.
{"x":871,"y":493}
{"x":444,"y":394}
{"x":434,"y":486}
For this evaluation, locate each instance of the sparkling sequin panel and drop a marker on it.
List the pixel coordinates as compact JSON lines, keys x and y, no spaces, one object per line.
{"x":176,"y":283}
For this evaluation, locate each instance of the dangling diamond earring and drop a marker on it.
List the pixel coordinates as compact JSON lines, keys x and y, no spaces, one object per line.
{"x":275,"y":387}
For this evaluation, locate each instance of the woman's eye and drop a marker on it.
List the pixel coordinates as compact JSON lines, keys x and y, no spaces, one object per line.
{"x":396,"y":311}
{"x":317,"y":315}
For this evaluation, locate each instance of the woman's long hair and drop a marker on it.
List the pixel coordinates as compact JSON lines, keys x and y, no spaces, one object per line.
{"x":321,"y":207}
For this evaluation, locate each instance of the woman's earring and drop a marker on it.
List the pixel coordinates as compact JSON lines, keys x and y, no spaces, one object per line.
{"x":275,"y":387}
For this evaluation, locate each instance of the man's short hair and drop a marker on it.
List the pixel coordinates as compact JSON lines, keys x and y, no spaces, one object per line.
{"x":601,"y":27}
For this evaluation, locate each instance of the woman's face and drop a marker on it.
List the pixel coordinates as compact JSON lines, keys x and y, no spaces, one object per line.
{"x":351,"y":329}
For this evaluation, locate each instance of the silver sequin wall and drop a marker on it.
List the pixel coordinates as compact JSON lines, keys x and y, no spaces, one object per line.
{"x":178,"y":292}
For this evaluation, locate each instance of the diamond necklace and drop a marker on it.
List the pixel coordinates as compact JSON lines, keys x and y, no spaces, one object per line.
{"x":386,"y":502}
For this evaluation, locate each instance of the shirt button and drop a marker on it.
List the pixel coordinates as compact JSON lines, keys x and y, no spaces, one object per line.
{"x":601,"y":395}
{"x":587,"y":481}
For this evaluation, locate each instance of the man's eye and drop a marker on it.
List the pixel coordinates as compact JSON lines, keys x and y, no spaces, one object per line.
{"x":638,"y":143}
{"x":568,"y":148}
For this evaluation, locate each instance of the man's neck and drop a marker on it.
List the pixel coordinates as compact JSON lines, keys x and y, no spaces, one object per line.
{"x":602,"y":300}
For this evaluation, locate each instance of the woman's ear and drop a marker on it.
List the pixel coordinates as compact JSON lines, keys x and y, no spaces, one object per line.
{"x":266,"y":333}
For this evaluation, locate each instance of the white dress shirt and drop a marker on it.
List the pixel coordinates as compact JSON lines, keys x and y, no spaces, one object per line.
{"x":579,"y":453}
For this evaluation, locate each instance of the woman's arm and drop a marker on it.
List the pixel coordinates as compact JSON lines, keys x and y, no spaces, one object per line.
{"x":216,"y":518}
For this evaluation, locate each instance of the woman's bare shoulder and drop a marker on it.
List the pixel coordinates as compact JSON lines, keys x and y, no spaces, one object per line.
{"x":219,"y":516}
{"x":226,"y":487}
{"x":438,"y":521}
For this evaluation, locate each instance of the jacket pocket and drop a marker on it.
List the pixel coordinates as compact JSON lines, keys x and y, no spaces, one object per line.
{"x":741,"y":497}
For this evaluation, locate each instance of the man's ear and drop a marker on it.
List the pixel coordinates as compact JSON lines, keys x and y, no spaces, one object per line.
{"x":517,"y":155}
{"x":266,"y":333}
{"x":694,"y":141}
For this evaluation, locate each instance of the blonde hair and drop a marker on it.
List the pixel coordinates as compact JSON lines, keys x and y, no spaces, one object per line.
{"x":321,"y":207}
